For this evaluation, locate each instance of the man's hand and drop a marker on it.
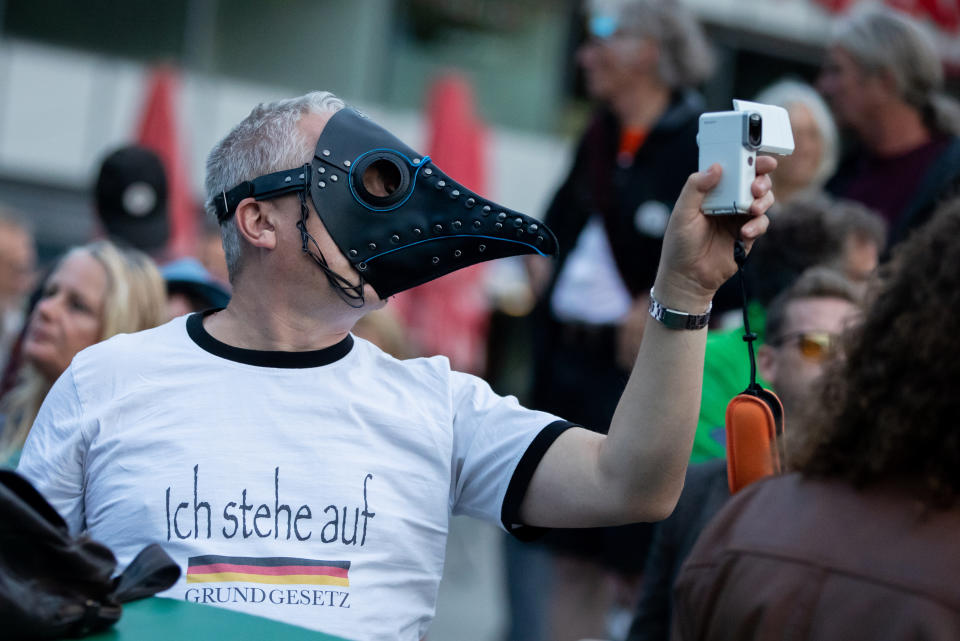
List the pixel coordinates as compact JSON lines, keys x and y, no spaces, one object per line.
{"x":697,"y":255}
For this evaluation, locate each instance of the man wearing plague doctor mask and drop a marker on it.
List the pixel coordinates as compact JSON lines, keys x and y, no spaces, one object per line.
{"x":299,"y":473}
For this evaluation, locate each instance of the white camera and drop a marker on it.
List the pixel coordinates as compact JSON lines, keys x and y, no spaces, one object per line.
{"x":733,"y":138}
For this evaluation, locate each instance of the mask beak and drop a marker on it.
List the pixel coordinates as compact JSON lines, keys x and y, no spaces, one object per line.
{"x":427,"y":226}
{"x":473,"y":230}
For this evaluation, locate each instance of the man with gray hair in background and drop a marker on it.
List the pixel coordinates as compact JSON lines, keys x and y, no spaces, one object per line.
{"x":297,"y":472}
{"x":883,"y":79}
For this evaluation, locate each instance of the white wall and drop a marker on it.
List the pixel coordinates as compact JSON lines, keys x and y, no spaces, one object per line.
{"x":62,"y":110}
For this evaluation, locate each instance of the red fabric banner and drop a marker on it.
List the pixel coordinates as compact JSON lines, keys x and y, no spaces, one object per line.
{"x":945,"y":14}
{"x":158,"y":130}
{"x":450,"y":315}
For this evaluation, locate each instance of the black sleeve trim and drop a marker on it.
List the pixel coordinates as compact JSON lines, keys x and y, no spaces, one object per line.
{"x":517,"y":489}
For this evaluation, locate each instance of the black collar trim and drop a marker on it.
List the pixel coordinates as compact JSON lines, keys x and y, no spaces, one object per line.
{"x":262,"y":358}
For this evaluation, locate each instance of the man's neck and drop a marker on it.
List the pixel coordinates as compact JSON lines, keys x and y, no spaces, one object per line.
{"x":642,"y":105}
{"x":260,"y":318}
{"x":895,"y":129}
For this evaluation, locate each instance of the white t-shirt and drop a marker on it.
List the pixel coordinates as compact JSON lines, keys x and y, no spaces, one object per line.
{"x":312,"y":487}
{"x":589,"y":288}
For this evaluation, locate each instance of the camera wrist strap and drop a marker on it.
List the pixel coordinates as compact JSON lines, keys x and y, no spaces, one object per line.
{"x":740,"y":256}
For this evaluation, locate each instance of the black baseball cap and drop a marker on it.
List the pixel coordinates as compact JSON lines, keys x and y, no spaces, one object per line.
{"x":131,"y":198}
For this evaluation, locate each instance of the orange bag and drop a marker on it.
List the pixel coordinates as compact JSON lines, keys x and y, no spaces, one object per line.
{"x":754,"y":425}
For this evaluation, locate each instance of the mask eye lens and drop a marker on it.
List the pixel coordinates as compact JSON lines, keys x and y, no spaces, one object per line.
{"x":381,"y":178}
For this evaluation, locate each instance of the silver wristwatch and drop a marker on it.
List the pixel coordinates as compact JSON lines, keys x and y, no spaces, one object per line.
{"x":673,"y":319}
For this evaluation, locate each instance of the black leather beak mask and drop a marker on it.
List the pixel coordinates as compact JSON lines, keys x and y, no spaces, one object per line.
{"x":398,"y":219}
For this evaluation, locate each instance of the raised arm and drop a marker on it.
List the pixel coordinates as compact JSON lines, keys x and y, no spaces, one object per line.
{"x":635,"y":473}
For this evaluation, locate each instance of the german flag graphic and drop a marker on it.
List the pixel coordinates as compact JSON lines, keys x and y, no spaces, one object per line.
{"x":277,"y":569}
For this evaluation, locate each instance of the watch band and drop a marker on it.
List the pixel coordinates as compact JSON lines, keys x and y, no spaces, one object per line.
{"x":673,"y":319}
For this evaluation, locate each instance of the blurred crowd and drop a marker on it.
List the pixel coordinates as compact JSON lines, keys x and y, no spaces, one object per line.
{"x":852,"y":296}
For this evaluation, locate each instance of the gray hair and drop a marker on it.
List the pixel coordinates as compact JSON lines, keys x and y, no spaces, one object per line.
{"x":881,"y":39}
{"x":786,"y":94}
{"x":685,"y":57}
{"x":266,"y":141}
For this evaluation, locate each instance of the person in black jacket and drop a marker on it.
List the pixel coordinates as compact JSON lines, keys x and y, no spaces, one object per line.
{"x":641,"y":63}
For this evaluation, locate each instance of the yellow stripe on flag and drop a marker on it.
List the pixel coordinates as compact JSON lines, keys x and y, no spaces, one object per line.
{"x":287,"y":579}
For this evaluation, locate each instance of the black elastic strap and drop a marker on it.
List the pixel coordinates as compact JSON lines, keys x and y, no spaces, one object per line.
{"x":351,"y":294}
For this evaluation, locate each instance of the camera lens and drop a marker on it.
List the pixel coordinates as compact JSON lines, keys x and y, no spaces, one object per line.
{"x":755,"y":130}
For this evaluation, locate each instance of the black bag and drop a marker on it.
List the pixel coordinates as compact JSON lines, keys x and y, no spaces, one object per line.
{"x":53,"y":585}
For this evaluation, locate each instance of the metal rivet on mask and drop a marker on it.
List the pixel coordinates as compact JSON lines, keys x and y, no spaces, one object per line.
{"x":301,"y":176}
{"x":517,"y":222}
{"x":470,"y":203}
{"x":483,"y":248}
{"x":333,"y":178}
{"x":416,"y":161}
{"x":486,"y":209}
{"x":372,"y":246}
{"x":346,"y":163}
{"x":353,"y":252}
{"x":454,"y":194}
{"x":321,"y":184}
{"x":323,"y":170}
{"x":457,"y":224}
{"x":533,"y":229}
{"x":326,"y":152}
{"x":417,"y":231}
{"x":435,"y":260}
{"x":498,"y":226}
{"x":476,"y":224}
{"x":428,"y":171}
{"x":438,"y":228}
{"x":539,"y":239}
{"x":457,"y":253}
{"x":395,"y":238}
{"x":361,"y":267}
{"x":502,"y":216}
{"x":288,"y":179}
{"x":440,"y":184}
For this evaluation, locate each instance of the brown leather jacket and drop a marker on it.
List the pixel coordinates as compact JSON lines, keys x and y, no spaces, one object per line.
{"x":792,"y":558}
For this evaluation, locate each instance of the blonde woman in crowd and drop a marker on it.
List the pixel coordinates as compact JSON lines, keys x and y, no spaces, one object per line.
{"x":96,"y":291}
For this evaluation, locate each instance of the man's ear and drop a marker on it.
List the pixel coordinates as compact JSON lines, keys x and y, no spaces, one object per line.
{"x":767,"y":363}
{"x":256,"y":221}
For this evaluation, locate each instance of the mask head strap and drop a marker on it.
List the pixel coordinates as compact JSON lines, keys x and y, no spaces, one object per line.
{"x":265,"y":187}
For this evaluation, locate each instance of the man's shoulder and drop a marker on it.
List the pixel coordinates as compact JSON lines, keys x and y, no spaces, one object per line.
{"x":125,"y":354}
{"x":130,"y":346}
{"x":410,"y":370}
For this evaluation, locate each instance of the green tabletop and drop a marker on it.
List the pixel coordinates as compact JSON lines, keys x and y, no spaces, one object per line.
{"x":165,"y":619}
